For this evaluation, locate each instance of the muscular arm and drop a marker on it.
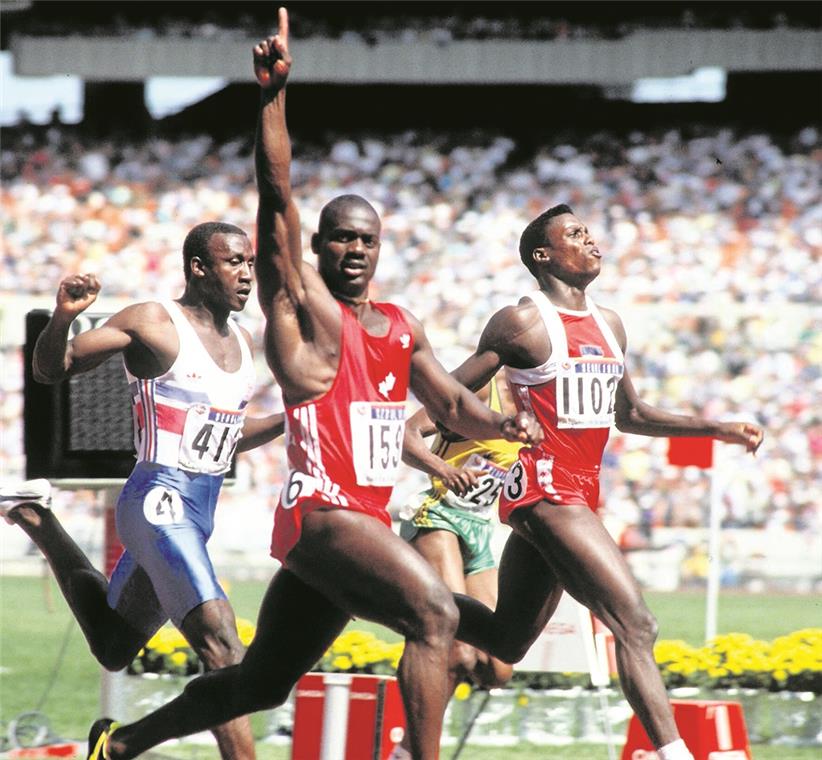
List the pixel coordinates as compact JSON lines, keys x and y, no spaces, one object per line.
{"x":512,"y":337}
{"x":260,"y":430}
{"x":635,"y":416}
{"x":279,"y":247}
{"x":506,"y":340}
{"x":414,"y":450}
{"x":55,"y":356}
{"x":452,"y":404}
{"x":416,"y":454}
{"x":632,"y":415}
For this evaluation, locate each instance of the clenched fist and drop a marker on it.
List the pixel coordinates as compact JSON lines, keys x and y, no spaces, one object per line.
{"x":76,"y":293}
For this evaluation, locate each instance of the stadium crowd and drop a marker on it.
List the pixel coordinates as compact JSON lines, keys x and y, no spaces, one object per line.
{"x":712,"y":254}
{"x":414,"y":22}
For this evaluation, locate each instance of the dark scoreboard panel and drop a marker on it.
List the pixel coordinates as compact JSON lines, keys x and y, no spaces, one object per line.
{"x":81,"y":427}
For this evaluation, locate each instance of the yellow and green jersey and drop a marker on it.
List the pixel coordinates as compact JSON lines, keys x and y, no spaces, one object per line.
{"x":491,"y":457}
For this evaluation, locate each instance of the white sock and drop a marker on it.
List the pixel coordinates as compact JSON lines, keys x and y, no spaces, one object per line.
{"x":399,"y":753}
{"x":676,"y":750}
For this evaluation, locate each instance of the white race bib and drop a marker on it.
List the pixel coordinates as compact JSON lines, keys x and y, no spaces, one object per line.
{"x":209,"y":439}
{"x":586,"y":391}
{"x":377,"y":430}
{"x":481,"y":498}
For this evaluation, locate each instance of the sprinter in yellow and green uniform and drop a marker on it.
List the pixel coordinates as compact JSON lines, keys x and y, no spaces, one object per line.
{"x":452,"y":522}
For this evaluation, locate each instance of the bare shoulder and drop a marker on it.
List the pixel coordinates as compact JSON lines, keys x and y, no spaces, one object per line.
{"x":410,"y":318}
{"x":513,"y":321}
{"x":246,"y":335}
{"x":516,"y":335}
{"x":420,"y":339}
{"x":615,"y":323}
{"x":149,"y":311}
{"x":140,"y":315}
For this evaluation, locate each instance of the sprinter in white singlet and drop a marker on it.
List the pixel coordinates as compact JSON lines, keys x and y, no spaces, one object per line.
{"x":191,"y":375}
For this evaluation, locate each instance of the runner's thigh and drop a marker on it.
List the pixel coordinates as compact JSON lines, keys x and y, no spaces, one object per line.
{"x":367,"y":569}
{"x":295,"y":626}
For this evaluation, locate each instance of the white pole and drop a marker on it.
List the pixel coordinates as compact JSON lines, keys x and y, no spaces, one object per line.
{"x":335,"y":716}
{"x":112,"y":693}
{"x":714,"y":542}
{"x":112,"y":684}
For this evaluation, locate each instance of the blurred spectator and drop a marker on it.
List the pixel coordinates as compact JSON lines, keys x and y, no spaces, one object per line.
{"x":720,"y":232}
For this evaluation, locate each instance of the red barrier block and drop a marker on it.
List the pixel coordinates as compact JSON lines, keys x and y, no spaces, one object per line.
{"x":376,"y":718}
{"x":712,"y":729}
{"x":62,"y":749}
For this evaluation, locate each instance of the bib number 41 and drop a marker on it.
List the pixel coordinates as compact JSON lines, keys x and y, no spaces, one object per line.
{"x":209,"y":439}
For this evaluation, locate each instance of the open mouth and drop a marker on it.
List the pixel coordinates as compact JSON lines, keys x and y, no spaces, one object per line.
{"x":352,"y":268}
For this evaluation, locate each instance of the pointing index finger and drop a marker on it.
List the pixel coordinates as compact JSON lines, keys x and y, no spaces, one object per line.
{"x":283,"y":22}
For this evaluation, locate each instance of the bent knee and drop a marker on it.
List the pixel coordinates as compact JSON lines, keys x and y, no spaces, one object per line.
{"x":264,"y":689}
{"x":491,"y":673}
{"x":219,"y":653}
{"x":510,"y":652}
{"x":464,"y":658}
{"x":112,"y":661}
{"x":114,"y":653}
{"x":640,"y":628}
{"x":439,"y":615}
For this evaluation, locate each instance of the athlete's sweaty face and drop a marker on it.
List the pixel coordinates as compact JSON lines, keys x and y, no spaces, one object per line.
{"x":570,"y":247}
{"x":348,"y":247}
{"x":230,"y":273}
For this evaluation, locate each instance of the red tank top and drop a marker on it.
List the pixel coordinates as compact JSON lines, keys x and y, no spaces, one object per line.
{"x":345,"y":448}
{"x":572,"y":394}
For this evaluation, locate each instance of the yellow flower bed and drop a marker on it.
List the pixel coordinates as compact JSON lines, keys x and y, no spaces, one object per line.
{"x":788,"y":663}
{"x":353,"y":652}
{"x":361,"y":652}
{"x":167,"y":651}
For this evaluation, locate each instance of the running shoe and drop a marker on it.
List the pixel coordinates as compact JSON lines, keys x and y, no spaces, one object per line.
{"x":98,"y":736}
{"x":13,"y":494}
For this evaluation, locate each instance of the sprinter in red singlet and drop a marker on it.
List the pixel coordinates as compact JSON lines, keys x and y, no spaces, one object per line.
{"x":564,"y":358}
{"x":344,"y":364}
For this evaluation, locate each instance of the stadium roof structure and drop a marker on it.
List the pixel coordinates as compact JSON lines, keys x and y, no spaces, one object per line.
{"x":600,"y":44}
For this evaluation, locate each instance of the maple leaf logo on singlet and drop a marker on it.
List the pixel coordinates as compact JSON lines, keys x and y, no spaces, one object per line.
{"x":405,"y":340}
{"x":387,"y":385}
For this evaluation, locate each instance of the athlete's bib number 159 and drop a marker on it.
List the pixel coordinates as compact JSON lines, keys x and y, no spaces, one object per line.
{"x":377,"y":431}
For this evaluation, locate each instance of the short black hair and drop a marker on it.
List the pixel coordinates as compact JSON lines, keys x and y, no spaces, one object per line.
{"x":196,"y":242}
{"x":328,"y":215}
{"x":533,"y":236}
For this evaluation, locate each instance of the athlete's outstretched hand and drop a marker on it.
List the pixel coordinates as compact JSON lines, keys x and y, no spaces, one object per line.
{"x":272,"y":61}
{"x":522,"y":427}
{"x":76,"y":293}
{"x":460,"y":480}
{"x":743,"y":433}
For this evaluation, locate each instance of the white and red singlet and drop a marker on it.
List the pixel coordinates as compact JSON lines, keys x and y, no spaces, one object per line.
{"x":572,"y":394}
